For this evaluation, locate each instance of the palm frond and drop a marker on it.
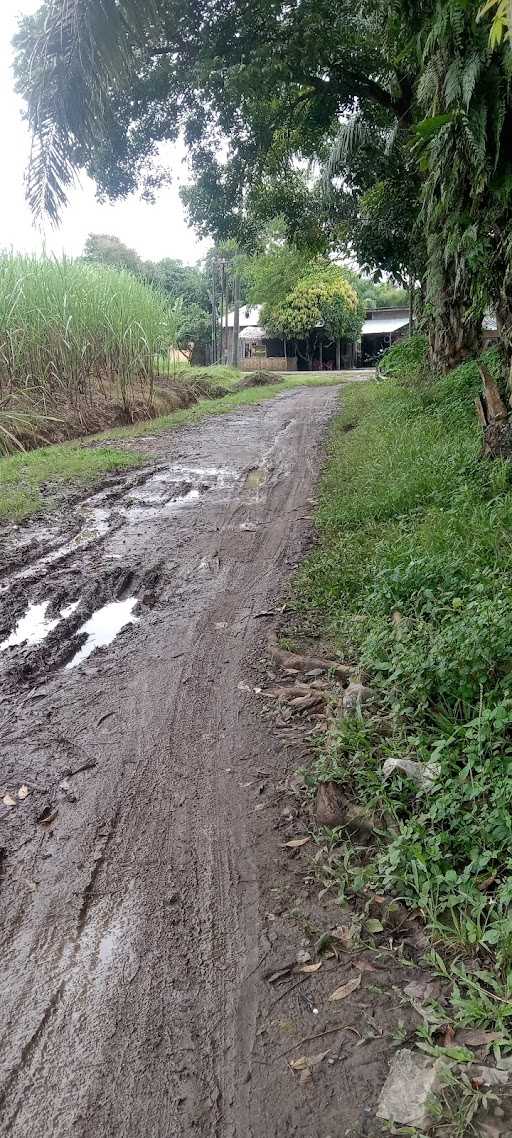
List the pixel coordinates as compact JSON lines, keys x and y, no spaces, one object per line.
{"x":71,"y":55}
{"x":470,"y":76}
{"x":351,"y":135}
{"x":453,"y":83}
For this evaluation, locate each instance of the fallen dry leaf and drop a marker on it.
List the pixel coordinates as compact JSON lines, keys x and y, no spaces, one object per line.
{"x":310,"y":967}
{"x":296,"y":842}
{"x":363,"y":966}
{"x":344,"y":934}
{"x":280,"y":973}
{"x":477,"y":1038}
{"x":305,"y":1062}
{"x":23,"y":792}
{"x":8,"y":800}
{"x":346,"y":989}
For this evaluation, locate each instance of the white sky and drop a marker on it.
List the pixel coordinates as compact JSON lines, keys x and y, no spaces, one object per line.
{"x":155,"y":231}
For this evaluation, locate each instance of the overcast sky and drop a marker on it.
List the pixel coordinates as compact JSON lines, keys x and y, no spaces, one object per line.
{"x":155,"y":231}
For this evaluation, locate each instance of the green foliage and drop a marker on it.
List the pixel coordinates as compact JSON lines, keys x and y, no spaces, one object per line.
{"x":323,"y":298}
{"x":406,"y":360}
{"x":273,"y":274}
{"x":176,"y":279}
{"x":105,"y":249}
{"x":413,"y":523}
{"x":387,"y":295}
{"x":66,"y":323}
{"x":501,"y":24}
{"x":75,"y":333}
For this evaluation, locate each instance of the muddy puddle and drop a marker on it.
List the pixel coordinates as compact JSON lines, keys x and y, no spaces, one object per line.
{"x":35,"y":625}
{"x":103,"y":627}
{"x":37,"y":596}
{"x":176,"y":487}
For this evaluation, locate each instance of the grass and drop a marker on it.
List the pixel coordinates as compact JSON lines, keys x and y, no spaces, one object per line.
{"x":217,"y":373}
{"x":412,"y":578}
{"x":25,"y":478}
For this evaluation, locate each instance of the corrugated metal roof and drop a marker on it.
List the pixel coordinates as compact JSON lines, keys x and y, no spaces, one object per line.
{"x":380,"y":327}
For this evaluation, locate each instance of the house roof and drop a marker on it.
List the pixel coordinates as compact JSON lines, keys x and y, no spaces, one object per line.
{"x":249,"y":316}
{"x":252,"y":333}
{"x":375,"y":326}
{"x":380,"y":327}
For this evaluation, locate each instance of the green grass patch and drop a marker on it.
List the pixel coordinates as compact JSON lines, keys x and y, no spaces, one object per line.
{"x":218,"y":373}
{"x":406,"y":360}
{"x":413,"y":579}
{"x":26,"y":480}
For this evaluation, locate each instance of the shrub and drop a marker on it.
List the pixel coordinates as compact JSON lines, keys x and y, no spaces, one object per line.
{"x":406,"y":361}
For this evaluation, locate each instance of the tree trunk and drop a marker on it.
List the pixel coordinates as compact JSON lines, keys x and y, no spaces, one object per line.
{"x":338,"y":354}
{"x":226,"y":339}
{"x":411,"y":306}
{"x":236,"y":320}
{"x":453,"y":336}
{"x":321,"y":354}
{"x":504,"y":328}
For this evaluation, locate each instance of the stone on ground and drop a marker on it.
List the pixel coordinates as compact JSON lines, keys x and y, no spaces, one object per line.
{"x":412,"y":1082}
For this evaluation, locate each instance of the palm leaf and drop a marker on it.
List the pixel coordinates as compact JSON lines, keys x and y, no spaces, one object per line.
{"x":351,"y":135}
{"x":71,"y":55}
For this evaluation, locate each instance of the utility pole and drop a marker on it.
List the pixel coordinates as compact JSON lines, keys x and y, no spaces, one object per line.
{"x":223,"y":307}
{"x":236,"y":319}
{"x":214,"y":313}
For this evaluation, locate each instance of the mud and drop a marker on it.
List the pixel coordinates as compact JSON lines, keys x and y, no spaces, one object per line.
{"x":146,"y":890}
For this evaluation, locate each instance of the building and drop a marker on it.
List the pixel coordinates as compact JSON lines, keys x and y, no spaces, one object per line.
{"x":382,"y":327}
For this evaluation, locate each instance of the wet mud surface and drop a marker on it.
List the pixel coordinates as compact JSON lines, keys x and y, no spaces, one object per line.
{"x":146,"y":889}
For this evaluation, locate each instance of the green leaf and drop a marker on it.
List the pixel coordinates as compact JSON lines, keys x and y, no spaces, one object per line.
{"x":427,"y":128}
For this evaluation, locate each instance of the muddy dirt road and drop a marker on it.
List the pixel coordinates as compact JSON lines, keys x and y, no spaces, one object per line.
{"x":142,"y":874}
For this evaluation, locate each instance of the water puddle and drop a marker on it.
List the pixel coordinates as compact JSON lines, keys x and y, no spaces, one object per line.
{"x":103,"y":626}
{"x":173,"y":489}
{"x":34,"y":626}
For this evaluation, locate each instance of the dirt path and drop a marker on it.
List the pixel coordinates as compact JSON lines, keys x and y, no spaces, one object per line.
{"x":146,"y":887}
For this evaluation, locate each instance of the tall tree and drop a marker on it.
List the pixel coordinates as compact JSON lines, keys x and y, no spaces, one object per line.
{"x":106,"y":249}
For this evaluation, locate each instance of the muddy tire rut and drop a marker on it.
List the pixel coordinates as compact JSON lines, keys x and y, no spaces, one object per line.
{"x":144,"y":878}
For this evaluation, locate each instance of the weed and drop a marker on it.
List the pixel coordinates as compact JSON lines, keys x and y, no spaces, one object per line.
{"x":412,"y":576}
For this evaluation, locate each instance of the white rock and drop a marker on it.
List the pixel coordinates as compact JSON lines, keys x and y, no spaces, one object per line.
{"x":355,"y":695}
{"x":412,"y":1082}
{"x":423,"y":774}
{"x":489,"y":1076}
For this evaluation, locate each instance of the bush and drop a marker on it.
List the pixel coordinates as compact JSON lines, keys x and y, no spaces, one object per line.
{"x":406,"y":361}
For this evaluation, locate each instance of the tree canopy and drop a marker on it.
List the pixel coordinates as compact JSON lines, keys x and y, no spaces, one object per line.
{"x":321,"y":299}
{"x":407,"y":107}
